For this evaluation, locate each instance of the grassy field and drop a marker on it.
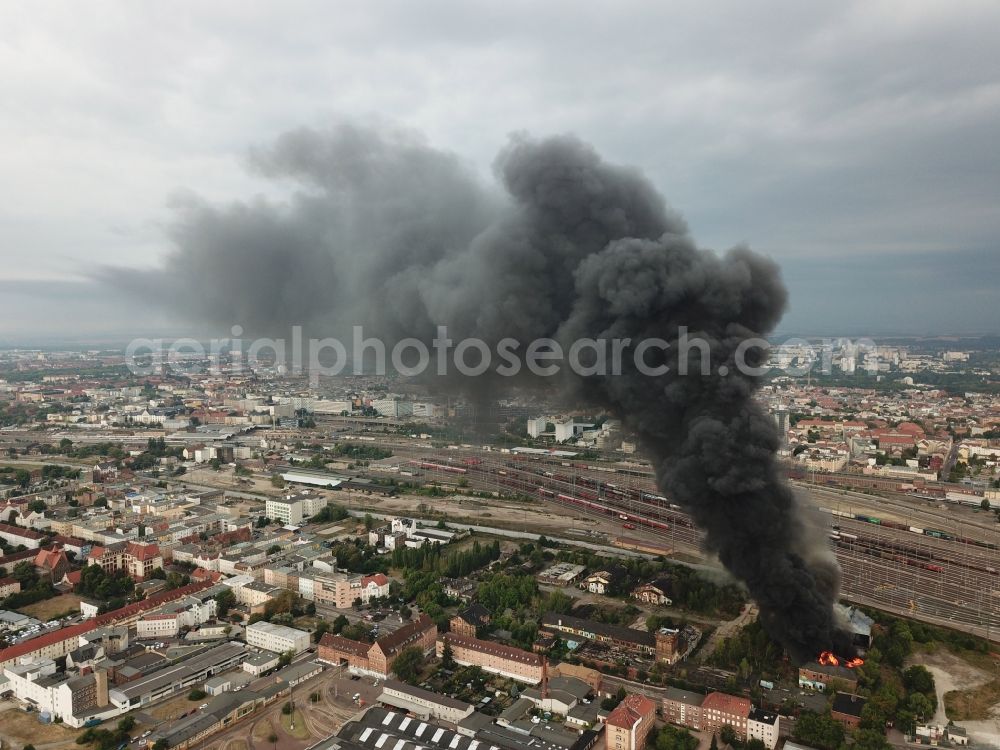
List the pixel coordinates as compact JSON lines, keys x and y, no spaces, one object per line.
{"x":301,"y":731}
{"x":174,"y":707}
{"x":261,"y":731}
{"x":49,"y":608}
{"x":26,"y":728}
{"x":978,"y":702}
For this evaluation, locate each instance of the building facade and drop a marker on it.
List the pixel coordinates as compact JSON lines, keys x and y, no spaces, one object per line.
{"x":630,"y":722}
{"x":497,"y":658}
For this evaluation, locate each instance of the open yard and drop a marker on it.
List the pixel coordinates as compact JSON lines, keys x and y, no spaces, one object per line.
{"x":49,"y":608}
{"x":18,"y":728}
{"x":968,"y":689}
{"x":175,"y":707}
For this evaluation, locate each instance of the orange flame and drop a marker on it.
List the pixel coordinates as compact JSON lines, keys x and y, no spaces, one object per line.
{"x":829,"y":659}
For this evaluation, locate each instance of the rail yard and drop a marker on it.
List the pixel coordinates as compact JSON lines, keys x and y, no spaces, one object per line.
{"x":917,"y":556}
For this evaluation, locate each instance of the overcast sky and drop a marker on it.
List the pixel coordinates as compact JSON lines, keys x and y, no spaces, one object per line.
{"x":856,"y":143}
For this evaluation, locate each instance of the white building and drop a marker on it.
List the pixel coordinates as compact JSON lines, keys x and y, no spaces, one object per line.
{"x":537,"y":426}
{"x":70,"y":698}
{"x":169,"y":620}
{"x":763,"y":725}
{"x":277,"y":638}
{"x":293,"y":507}
{"x":259,"y":663}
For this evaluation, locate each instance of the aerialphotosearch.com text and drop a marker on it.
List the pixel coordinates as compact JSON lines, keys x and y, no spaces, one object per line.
{"x":687,"y":354}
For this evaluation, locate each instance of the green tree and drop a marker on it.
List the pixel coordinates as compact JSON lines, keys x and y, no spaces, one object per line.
{"x":819,"y":730}
{"x":920,"y":705}
{"x":160,"y":744}
{"x":728,"y":735}
{"x":127,"y":724}
{"x":672,"y":738}
{"x":447,"y":657}
{"x":409,"y":664}
{"x":224,"y":601}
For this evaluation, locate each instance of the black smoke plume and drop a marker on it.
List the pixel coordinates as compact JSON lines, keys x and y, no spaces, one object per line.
{"x":383,"y":231}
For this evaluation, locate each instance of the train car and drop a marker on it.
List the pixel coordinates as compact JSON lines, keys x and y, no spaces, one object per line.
{"x":915,"y":529}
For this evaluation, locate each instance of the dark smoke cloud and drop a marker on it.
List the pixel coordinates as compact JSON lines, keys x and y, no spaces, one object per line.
{"x":384,"y":231}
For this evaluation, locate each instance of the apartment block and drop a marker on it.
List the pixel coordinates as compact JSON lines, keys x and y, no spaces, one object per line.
{"x":497,"y":658}
{"x":630,"y":722}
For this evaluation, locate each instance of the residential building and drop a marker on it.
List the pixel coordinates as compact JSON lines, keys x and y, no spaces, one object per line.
{"x":683,"y":708}
{"x":138,"y":559}
{"x":70,"y":698}
{"x":497,"y":658}
{"x":406,"y":531}
{"x":720,"y":709}
{"x":343,"y":591}
{"x":469,"y":620}
{"x":656,"y":592}
{"x":763,"y":725}
{"x":9,"y":586}
{"x":292,"y":508}
{"x":15,"y":535}
{"x":376,"y":658}
{"x":173,"y":617}
{"x":629,"y":723}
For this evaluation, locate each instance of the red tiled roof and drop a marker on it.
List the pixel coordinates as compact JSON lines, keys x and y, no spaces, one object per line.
{"x":379,"y":579}
{"x":402,"y":636}
{"x":142,"y":551}
{"x":491,"y":647}
{"x":149,"y":603}
{"x":727,"y":704}
{"x":46,"y":639}
{"x":72,"y":541}
{"x":340,"y":643}
{"x":49,"y":558}
{"x":633,"y":708}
